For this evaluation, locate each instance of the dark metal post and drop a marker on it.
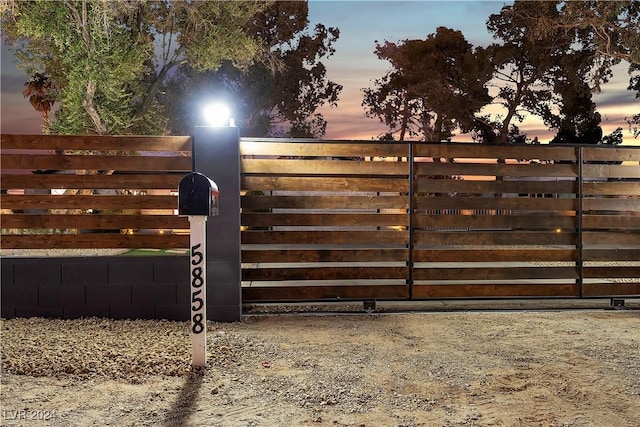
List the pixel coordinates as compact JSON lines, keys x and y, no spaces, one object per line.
{"x":216,"y":154}
{"x":411,"y":160}
{"x":580,"y":214}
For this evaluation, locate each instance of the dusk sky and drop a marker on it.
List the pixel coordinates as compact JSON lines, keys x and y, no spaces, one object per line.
{"x":354,"y":65}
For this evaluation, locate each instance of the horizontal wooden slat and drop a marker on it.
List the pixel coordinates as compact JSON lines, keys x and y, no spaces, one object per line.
{"x":77,"y":162}
{"x":269,"y":183}
{"x":324,"y":273}
{"x":115,"y":181}
{"x":325,"y":237}
{"x":611,"y":171}
{"x":493,"y":238}
{"x":612,"y":254}
{"x":294,"y":219}
{"x":103,"y":222}
{"x":495,"y":221}
{"x":609,"y":222}
{"x":537,"y":170}
{"x":322,"y":167}
{"x":612,"y":272}
{"x":477,"y":151}
{"x":495,"y":291}
{"x":495,"y":255}
{"x":88,"y":202}
{"x":89,"y":142}
{"x":617,"y":188}
{"x":611,"y":204}
{"x":327,"y":255}
{"x":611,"y":289}
{"x":494,"y":273}
{"x":608,"y":237}
{"x":92,"y":241}
{"x":427,"y":185}
{"x":316,"y":293}
{"x":325,"y":202}
{"x":251,"y":146}
{"x":611,"y":153}
{"x":541,"y":204}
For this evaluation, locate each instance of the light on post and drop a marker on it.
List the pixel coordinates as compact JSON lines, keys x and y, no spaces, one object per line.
{"x":217,"y":115}
{"x":216,"y":155}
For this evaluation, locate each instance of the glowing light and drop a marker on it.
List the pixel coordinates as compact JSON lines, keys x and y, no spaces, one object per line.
{"x":217,"y":115}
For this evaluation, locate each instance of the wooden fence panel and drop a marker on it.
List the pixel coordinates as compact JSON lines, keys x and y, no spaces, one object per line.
{"x":528,"y":216}
{"x":331,"y":219}
{"x":611,"y":220}
{"x":92,"y":192}
{"x":324,"y":220}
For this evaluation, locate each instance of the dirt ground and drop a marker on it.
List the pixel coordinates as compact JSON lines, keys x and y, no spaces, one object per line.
{"x":461,"y":368}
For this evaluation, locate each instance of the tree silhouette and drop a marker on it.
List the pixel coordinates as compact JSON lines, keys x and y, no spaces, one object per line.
{"x":435,"y":86}
{"x":39,"y":91}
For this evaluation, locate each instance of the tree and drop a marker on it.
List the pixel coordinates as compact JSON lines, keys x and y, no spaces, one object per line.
{"x":608,"y":30}
{"x":40,"y":93}
{"x":267,"y":102}
{"x":634,"y":84}
{"x":546,"y":73}
{"x":102,"y":56}
{"x":577,"y":121}
{"x":435,"y":86}
{"x":523,"y":80}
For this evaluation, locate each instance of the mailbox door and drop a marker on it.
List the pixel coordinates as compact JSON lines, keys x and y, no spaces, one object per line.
{"x":194,"y":195}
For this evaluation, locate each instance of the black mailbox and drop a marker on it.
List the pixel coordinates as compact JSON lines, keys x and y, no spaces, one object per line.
{"x":197,"y":195}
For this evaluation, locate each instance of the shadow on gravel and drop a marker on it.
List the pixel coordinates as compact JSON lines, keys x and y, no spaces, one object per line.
{"x":179,"y":413}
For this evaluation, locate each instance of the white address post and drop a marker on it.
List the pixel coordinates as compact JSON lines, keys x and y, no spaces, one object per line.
{"x":198,"y":242}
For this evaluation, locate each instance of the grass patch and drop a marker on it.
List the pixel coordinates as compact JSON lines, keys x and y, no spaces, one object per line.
{"x":148,"y":252}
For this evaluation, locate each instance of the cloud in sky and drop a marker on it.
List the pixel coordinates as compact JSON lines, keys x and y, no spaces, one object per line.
{"x":354,"y":65}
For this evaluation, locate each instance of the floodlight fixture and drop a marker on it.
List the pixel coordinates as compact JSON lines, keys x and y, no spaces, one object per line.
{"x":217,"y":115}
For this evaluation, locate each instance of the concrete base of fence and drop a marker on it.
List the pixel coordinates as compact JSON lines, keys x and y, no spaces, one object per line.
{"x":141,"y":287}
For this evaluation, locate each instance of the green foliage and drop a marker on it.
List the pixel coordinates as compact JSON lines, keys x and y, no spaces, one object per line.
{"x":101,"y":58}
{"x":266,"y":101}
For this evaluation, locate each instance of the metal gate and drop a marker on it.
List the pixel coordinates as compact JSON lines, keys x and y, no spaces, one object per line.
{"x":361,"y":220}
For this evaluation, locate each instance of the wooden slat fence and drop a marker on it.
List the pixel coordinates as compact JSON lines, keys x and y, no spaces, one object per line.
{"x":110,"y":192}
{"x":328,"y":220}
{"x":331,"y":216}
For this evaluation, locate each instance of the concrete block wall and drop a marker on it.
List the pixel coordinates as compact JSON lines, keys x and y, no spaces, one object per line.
{"x":140,"y":287}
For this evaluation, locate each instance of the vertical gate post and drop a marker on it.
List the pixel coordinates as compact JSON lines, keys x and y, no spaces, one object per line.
{"x":580,"y":214}
{"x":216,"y":154}
{"x":411,"y":212}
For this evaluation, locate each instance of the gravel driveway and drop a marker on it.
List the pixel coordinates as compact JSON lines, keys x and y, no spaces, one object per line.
{"x":463,"y":368}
